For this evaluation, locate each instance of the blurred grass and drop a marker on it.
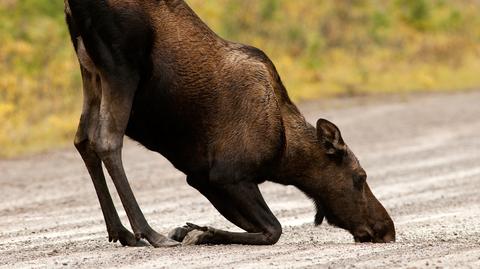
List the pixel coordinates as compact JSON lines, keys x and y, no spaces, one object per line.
{"x":321,"y":49}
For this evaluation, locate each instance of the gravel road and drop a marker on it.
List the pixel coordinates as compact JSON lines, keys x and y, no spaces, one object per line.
{"x":422,"y":154}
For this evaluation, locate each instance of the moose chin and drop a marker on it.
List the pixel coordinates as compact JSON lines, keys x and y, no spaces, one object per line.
{"x":218,"y":111}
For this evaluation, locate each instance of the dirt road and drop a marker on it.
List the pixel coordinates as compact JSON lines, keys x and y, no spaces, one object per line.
{"x":422,"y":154}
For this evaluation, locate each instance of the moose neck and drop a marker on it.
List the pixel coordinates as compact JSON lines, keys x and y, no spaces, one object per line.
{"x":301,"y":156}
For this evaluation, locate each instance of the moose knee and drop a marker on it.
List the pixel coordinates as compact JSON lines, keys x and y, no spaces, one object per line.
{"x":104,"y":146}
{"x":272,"y":234}
{"x":80,"y":143}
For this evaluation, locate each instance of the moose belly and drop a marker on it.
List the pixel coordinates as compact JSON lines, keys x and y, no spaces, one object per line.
{"x":164,"y":131}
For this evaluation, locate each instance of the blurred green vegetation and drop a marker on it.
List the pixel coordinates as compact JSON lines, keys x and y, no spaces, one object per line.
{"x":321,"y":48}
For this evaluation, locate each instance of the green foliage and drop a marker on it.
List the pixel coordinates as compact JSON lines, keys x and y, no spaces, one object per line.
{"x":268,"y":9}
{"x":416,"y":13}
{"x":39,"y":84}
{"x":321,"y":48}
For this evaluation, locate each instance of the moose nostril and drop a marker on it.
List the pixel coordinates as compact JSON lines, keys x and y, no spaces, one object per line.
{"x":383,"y":233}
{"x":389,"y":238}
{"x":363,"y":239}
{"x":387,"y":234}
{"x":363,"y":235}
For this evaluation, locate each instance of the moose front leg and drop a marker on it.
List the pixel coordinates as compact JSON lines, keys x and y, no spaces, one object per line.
{"x":244,"y":206}
{"x":116,"y":103}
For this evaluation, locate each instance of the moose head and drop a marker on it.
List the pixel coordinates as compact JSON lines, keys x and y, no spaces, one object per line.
{"x":337,"y":183}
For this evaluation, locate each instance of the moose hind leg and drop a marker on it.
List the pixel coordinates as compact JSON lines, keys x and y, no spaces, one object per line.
{"x":243,"y":205}
{"x":118,"y":55}
{"x":88,"y":122}
{"x":116,"y":103}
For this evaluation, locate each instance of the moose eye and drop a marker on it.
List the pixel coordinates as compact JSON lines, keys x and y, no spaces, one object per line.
{"x":338,"y":156}
{"x":359,"y":180}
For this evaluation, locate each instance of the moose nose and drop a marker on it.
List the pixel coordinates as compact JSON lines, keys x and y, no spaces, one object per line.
{"x":389,"y":234}
{"x":389,"y":238}
{"x":384,"y":232}
{"x":363,"y":235}
{"x":378,"y":233}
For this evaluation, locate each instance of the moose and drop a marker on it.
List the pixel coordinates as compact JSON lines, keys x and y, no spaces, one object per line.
{"x":217,"y":110}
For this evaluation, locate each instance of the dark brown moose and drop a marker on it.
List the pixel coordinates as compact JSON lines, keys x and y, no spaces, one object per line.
{"x":218,"y":111}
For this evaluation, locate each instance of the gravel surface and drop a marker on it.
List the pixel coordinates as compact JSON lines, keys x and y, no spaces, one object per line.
{"x":422,"y":154}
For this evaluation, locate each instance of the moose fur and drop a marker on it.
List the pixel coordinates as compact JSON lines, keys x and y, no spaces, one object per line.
{"x":218,"y":111}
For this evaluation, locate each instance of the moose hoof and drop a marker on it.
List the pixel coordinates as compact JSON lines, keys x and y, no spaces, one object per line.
{"x":193,"y":238}
{"x":165,"y":243}
{"x":157,"y":240}
{"x":179,"y":233}
{"x":126,"y":238}
{"x":189,"y":234}
{"x":196,"y":234}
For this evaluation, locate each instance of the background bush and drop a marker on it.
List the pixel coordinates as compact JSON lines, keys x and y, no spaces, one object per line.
{"x":321,"y":48}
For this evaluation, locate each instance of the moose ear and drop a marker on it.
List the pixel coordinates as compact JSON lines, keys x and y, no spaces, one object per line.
{"x":329,"y":135}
